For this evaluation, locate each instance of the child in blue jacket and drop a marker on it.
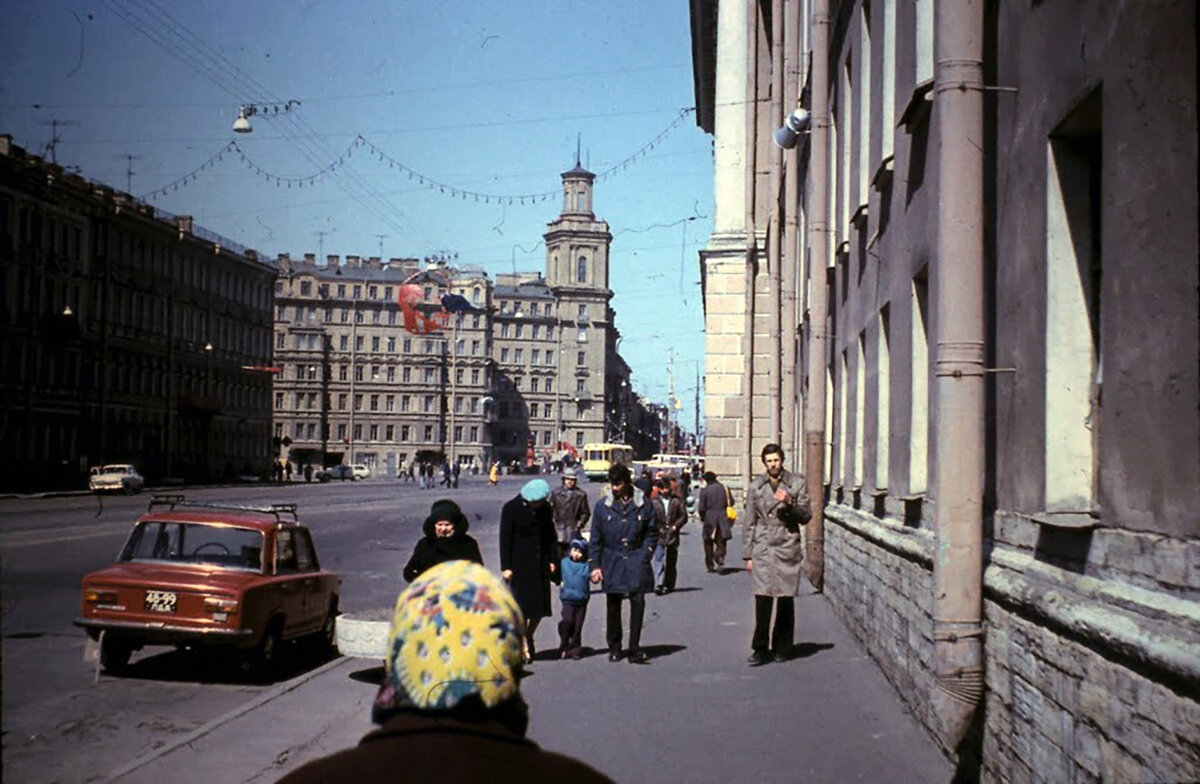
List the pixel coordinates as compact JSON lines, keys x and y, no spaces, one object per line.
{"x":574,"y":595}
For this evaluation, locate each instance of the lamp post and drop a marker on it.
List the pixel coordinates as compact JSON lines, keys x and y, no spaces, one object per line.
{"x":453,"y":385}
{"x":208,"y":408}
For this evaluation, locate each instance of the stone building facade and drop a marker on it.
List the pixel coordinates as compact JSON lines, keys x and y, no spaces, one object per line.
{"x":126,"y":334}
{"x":355,"y":386}
{"x":996,"y":209}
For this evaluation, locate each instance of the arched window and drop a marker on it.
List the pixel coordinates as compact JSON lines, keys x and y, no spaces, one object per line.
{"x":581,"y":273}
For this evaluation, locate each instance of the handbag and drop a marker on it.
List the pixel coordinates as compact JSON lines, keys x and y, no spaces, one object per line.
{"x":730,"y":512}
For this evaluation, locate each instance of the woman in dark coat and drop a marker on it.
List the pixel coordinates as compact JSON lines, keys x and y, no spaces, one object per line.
{"x":528,"y":547}
{"x":445,"y":539}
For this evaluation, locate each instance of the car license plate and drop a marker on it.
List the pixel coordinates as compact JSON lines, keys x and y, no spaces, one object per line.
{"x":161,"y":601}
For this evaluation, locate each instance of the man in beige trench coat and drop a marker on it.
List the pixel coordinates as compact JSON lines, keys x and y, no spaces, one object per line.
{"x":776,"y":506}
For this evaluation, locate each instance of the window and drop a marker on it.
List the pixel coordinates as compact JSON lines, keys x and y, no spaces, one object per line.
{"x":345,"y":316}
{"x":578,"y":385}
{"x":344,"y":343}
{"x":474,"y":435}
{"x":549,"y":357}
{"x":428,"y":346}
{"x":391,"y":345}
{"x":373,"y":433}
{"x":458,"y":405}
{"x":504,"y":330}
{"x":278,"y":400}
{"x":341,"y":290}
{"x":579,"y":439}
{"x":358,"y":432}
{"x":405,"y":401}
{"x":581,"y":358}
{"x":475,"y":321}
{"x":549,"y":333}
{"x":458,"y":434}
{"x":343,"y":373}
{"x":919,"y":392}
{"x":390,"y":433}
{"x":358,"y":343}
{"x":537,"y":331}
{"x":281,"y":313}
{"x":374,"y":402}
{"x":582,"y":312}
{"x":533,"y":410}
{"x":280,"y":338}
{"x":545,"y":438}
{"x":504,"y":355}
{"x":581,"y":270}
{"x":474,"y":405}
{"x":358,"y":402}
{"x":520,"y":329}
{"x":389,"y":403}
{"x":406,"y":374}
{"x":474,"y":376}
{"x":404,"y":433}
{"x":428,"y":293}
{"x":311,"y":430}
{"x":387,"y":292}
{"x":427,"y":405}
{"x":375,"y":343}
{"x":343,"y":399}
{"x":305,"y":288}
{"x":535,"y":356}
{"x":474,"y":348}
{"x":458,"y":376}
{"x":407,"y":345}
{"x":341,"y":432}
{"x":358,"y":372}
{"x":533,"y":309}
{"x":298,"y":430}
{"x":429,"y":377}
{"x":519,"y":356}
{"x":391,"y":373}
{"x":1074,"y":350}
{"x":358,"y":317}
{"x":582,"y":337}
{"x":372,"y":292}
{"x":429,"y":432}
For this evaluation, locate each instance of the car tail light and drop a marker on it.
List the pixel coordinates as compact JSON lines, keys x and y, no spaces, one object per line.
{"x":99,"y":596}
{"x":220,"y":604}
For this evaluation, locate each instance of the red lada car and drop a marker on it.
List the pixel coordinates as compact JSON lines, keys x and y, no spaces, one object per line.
{"x":241,"y":578}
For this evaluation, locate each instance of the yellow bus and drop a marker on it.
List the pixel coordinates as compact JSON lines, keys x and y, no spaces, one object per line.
{"x":598,"y":458}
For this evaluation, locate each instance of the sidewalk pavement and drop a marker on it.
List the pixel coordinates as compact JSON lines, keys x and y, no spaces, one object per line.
{"x":697,"y":713}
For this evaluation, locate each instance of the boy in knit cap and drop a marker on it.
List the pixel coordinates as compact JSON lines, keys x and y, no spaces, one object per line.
{"x":449,"y":707}
{"x":574,"y":595}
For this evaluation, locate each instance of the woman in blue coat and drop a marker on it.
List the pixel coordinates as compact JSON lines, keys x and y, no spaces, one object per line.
{"x":624,"y":534}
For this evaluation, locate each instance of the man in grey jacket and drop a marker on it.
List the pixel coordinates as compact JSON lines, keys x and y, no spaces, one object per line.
{"x":571,"y":513}
{"x":776,"y":506}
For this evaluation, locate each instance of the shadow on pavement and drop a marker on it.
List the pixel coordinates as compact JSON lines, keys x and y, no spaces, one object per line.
{"x":727,"y":570}
{"x":222,"y":667}
{"x":371,"y":675}
{"x":805,"y":649}
{"x":659,"y":651}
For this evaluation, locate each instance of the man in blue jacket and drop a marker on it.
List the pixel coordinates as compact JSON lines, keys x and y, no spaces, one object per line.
{"x":624,"y":535}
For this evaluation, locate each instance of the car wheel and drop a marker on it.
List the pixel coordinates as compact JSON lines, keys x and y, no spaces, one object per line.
{"x":266,"y":655}
{"x":327,"y":637}
{"x":114,"y":654}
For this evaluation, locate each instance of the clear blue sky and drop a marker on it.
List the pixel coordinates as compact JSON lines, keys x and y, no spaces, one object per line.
{"x":479,"y":96}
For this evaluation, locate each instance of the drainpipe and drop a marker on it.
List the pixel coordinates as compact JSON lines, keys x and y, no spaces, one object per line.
{"x":959,"y":415}
{"x":775,"y":229}
{"x":751,"y":242}
{"x":791,"y":213}
{"x":818,"y":243}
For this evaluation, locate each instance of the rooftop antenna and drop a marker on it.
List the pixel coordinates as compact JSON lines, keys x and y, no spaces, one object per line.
{"x":321,"y":244}
{"x":577,"y":138}
{"x":52,"y":145}
{"x":381,"y":238}
{"x":129,"y":158}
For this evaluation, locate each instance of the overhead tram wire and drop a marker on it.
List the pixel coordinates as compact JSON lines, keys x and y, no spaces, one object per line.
{"x":192,"y":51}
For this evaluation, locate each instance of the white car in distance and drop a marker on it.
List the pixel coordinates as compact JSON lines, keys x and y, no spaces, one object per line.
{"x":116,"y":477}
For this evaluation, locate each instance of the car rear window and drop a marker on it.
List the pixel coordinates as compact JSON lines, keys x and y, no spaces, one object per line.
{"x":216,"y":545}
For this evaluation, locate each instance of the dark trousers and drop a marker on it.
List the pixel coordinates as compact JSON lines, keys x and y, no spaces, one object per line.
{"x":570,"y":628}
{"x":637,"y":611}
{"x":714,"y":551}
{"x":785,"y":624}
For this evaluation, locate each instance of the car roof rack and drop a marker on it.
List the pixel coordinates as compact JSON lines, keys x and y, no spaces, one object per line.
{"x":284,"y":513}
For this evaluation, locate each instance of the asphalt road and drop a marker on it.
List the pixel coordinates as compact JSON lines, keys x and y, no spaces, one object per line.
{"x":60,"y":725}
